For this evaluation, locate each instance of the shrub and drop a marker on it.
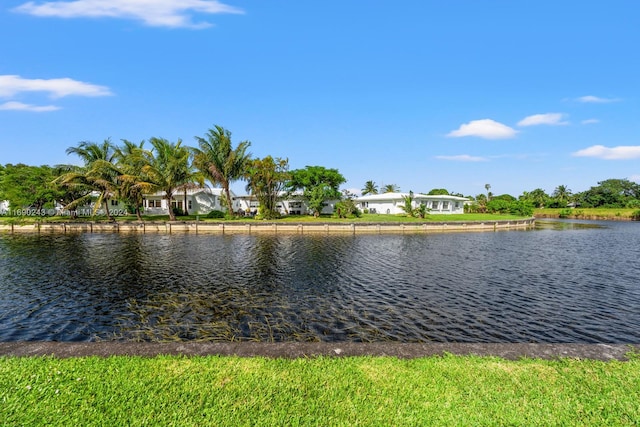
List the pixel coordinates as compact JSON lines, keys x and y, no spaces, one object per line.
{"x":216,"y":214}
{"x":565,"y":213}
{"x":636,"y":215}
{"x":346,"y":208}
{"x":521,"y":208}
{"x":633,"y":203}
{"x":498,"y":206}
{"x":178,"y":211}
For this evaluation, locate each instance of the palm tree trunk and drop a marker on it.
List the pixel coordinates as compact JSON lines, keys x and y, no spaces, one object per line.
{"x":185,"y":210}
{"x":229,"y":203}
{"x":172,"y":216}
{"x":106,"y":209}
{"x":138,"y":215}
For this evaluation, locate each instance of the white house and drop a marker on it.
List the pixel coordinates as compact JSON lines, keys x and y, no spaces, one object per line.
{"x":391,"y":203}
{"x":200,"y":201}
{"x":291,"y":206}
{"x":4,"y":207}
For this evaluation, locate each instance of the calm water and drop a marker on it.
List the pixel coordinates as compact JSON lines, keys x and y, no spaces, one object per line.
{"x":563,"y":282}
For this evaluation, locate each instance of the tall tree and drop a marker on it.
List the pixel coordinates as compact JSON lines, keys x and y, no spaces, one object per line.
{"x":266,"y":179}
{"x":614,"y":193}
{"x":28,"y":186}
{"x":317,"y":184}
{"x":133,"y":185}
{"x":370,"y":187}
{"x":99,"y":172}
{"x":220,"y":163}
{"x":562,"y":193}
{"x":166,"y":168}
{"x":390,"y":188}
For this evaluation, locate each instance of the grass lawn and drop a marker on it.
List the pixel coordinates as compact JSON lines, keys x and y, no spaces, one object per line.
{"x":588,"y":213}
{"x":365,"y":391}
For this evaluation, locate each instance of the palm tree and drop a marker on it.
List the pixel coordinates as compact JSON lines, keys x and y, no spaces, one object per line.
{"x":390,"y":188}
{"x":370,"y":187}
{"x":219,"y":162}
{"x":562,"y":193}
{"x":132,"y":186}
{"x":407,"y":205}
{"x":488,"y":187}
{"x":98,"y":174}
{"x":167,"y":169}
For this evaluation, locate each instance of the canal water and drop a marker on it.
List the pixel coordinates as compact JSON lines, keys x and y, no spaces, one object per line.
{"x":562,"y":282}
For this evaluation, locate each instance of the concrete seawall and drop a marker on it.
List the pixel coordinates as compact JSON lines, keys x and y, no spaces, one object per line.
{"x":201,"y":227}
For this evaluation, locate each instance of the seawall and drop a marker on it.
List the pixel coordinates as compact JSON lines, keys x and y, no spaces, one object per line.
{"x":202,"y":227}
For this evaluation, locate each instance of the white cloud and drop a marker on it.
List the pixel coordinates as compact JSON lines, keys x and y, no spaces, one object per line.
{"x":463,"y":158}
{"x":590,"y":121}
{"x":543,"y":119}
{"x":635,"y":178}
{"x":19,"y":106}
{"x":622,"y":152}
{"x":156,"y":13}
{"x":596,"y":100}
{"x":11,"y":85}
{"x":485,"y":128}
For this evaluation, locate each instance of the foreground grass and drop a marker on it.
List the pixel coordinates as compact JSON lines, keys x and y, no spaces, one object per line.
{"x":230,"y":391}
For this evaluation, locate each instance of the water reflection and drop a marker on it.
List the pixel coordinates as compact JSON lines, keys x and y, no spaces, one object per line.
{"x":563,"y":283}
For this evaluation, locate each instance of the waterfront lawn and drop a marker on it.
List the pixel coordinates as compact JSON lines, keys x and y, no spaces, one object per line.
{"x":587,"y":213}
{"x":232,"y":391}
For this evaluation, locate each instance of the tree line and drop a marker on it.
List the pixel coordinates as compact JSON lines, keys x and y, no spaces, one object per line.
{"x":128,"y":171}
{"x":610,"y":193}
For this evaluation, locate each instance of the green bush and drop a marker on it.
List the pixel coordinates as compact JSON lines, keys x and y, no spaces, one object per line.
{"x":565,"y":213}
{"x":216,"y":214}
{"x":498,"y":206}
{"x":636,"y":215}
{"x":633,"y":203}
{"x":521,"y":208}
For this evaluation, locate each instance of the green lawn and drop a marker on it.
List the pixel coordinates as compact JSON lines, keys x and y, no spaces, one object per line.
{"x":588,"y":213}
{"x":364,"y":391}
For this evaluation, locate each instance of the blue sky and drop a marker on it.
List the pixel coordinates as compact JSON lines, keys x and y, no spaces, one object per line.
{"x":422,"y":94}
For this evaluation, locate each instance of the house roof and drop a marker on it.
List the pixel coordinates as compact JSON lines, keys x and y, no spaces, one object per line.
{"x":208,"y":190}
{"x":388,"y":197}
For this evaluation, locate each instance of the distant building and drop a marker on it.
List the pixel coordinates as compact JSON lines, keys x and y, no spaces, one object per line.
{"x":294,"y":205}
{"x":200,"y":201}
{"x":391,"y":203}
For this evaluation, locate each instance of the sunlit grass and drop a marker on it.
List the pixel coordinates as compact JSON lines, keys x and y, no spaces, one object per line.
{"x":588,"y":213}
{"x":367,"y":391}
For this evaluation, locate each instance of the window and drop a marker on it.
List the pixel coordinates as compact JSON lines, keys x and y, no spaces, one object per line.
{"x":434,"y":205}
{"x":445,"y":206}
{"x":154,"y":203}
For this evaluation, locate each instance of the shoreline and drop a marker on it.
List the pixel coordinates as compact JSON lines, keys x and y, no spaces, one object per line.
{"x":197,"y":227}
{"x":293,"y":350}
